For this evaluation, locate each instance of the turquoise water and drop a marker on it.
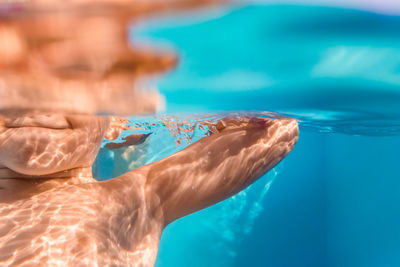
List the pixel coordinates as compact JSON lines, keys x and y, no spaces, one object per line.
{"x":333,"y":68}
{"x":334,"y":200}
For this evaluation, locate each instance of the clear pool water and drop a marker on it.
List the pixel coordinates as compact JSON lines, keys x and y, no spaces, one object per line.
{"x":334,"y":200}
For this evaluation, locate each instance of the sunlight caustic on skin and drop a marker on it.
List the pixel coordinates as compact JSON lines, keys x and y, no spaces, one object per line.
{"x":120,"y":220}
{"x":53,"y":212}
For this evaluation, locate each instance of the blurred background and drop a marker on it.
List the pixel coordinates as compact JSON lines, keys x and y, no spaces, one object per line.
{"x":335,"y":66}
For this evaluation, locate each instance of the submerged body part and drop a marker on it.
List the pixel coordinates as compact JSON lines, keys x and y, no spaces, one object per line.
{"x":52,"y":83}
{"x":63,"y":216}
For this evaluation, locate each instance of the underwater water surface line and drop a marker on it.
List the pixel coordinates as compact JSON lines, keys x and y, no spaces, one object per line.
{"x":54,"y":83}
{"x":78,"y":220}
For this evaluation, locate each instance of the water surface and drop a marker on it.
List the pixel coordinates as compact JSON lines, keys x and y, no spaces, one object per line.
{"x":337,"y":71}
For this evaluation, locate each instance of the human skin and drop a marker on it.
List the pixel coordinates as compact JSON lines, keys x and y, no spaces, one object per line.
{"x":54,"y":217}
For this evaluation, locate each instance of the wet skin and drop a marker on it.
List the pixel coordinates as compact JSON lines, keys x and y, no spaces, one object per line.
{"x":54,"y":213}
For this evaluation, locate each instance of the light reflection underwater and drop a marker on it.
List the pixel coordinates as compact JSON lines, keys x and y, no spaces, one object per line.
{"x":53,"y":85}
{"x":316,"y":71}
{"x":337,"y":71}
{"x":332,"y":68}
{"x":216,"y":230}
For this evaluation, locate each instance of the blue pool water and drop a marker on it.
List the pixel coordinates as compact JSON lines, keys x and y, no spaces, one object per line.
{"x":334,"y":200}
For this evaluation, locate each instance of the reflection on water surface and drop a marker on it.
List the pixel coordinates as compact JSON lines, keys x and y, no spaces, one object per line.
{"x":67,"y":73}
